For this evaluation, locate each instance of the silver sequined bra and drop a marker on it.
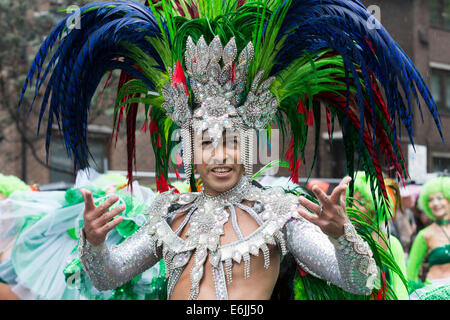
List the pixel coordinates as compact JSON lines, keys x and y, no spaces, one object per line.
{"x":346,"y":262}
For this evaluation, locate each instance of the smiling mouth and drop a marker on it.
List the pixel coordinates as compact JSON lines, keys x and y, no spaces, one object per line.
{"x":221,"y":171}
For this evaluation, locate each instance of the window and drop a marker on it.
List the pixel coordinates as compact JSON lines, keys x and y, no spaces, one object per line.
{"x":441,"y":164}
{"x":59,"y":158}
{"x":440,"y":89}
{"x":338,"y":159}
{"x":440,"y":13}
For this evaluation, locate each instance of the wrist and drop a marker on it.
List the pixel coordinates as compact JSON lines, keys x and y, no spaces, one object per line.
{"x":94,"y":245}
{"x":338,"y":233}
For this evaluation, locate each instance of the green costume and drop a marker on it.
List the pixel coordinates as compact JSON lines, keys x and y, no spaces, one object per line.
{"x":395,"y":247}
{"x":437,"y":289}
{"x":43,"y":229}
{"x":9,"y":184}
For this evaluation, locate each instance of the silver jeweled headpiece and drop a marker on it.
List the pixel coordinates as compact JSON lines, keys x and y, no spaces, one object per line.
{"x":219,"y":91}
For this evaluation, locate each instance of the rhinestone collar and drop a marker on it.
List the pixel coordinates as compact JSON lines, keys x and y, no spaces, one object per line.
{"x":235,"y":194}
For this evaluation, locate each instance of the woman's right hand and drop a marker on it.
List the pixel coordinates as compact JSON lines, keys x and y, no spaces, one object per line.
{"x":98,"y":221}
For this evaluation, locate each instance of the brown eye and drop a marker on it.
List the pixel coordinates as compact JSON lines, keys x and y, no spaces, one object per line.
{"x":206,"y":142}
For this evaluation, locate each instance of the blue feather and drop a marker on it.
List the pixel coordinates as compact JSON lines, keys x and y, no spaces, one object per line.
{"x":81,"y":59}
{"x":307,"y":27}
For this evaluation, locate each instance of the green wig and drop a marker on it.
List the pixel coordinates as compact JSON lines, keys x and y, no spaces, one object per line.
{"x":9,"y":184}
{"x":362,"y":184}
{"x":436,"y":185}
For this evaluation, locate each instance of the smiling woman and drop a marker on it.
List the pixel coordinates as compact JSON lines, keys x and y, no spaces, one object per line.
{"x":433,"y":242}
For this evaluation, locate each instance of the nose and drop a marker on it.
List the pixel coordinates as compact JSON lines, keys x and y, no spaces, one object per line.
{"x":219,"y":154}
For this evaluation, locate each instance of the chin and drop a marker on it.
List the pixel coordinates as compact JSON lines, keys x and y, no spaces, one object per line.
{"x":223,"y":178}
{"x":439,"y":215}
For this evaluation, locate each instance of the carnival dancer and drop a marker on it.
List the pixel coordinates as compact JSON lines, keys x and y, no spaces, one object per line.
{"x":432,"y":243}
{"x":217,"y":71}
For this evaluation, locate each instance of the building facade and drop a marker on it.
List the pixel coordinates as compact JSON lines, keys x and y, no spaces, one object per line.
{"x":422,"y":29}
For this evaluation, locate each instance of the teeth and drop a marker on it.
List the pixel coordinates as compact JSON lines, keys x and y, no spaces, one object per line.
{"x":221,"y":170}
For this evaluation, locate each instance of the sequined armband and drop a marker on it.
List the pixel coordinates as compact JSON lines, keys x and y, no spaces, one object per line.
{"x":93,"y":261}
{"x":346,"y":262}
{"x":356,"y":264}
{"x":111,"y":267}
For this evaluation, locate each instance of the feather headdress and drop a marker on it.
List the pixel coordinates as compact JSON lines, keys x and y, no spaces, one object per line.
{"x":310,"y":57}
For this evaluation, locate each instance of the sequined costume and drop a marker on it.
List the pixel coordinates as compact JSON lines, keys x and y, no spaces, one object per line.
{"x":346,"y":262}
{"x":210,"y":66}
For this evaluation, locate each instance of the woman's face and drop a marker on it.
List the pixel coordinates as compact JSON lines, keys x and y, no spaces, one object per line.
{"x":218,"y":167}
{"x":439,"y":206}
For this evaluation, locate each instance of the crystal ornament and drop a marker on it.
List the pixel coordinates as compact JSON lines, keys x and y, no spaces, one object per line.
{"x":261,"y":105}
{"x":217,"y":82}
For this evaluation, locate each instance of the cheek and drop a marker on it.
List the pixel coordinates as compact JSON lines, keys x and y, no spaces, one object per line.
{"x":201,"y":156}
{"x":201,"y":169}
{"x":446,"y":204}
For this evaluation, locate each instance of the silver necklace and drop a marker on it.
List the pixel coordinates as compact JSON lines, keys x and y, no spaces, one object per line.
{"x":206,"y":227}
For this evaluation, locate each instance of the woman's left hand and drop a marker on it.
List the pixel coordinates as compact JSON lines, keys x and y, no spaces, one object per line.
{"x":330,"y":214}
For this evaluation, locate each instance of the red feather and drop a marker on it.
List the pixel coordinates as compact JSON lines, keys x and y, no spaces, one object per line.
{"x":382,"y":292}
{"x":293,"y":167}
{"x":340,"y":103}
{"x":161,"y":183}
{"x":153,"y":127}
{"x":179,"y":77}
{"x":301,"y":272}
{"x":158,"y":142}
{"x":328,"y":123}
{"x":177,"y":174}
{"x":179,"y":159}
{"x":180,"y":8}
{"x":309,"y":114}
{"x":144,"y":127}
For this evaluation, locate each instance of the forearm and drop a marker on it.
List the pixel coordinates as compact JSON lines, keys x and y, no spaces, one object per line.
{"x":111,"y":267}
{"x":416,"y":256}
{"x":346,"y":262}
